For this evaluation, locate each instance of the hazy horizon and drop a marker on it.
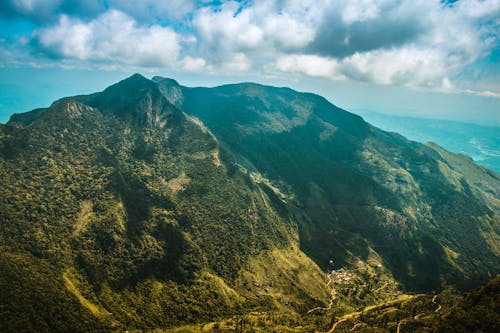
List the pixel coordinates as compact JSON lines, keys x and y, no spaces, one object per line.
{"x":18,"y":95}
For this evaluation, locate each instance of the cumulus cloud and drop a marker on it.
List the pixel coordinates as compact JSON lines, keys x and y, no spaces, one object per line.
{"x":113,"y":36}
{"x":410,"y":43}
{"x":360,"y":11}
{"x":411,"y":66}
{"x":415,"y":43}
{"x":311,"y":65}
{"x":193,"y":64}
{"x":259,"y":31}
{"x":238,"y":63}
{"x":346,"y":28}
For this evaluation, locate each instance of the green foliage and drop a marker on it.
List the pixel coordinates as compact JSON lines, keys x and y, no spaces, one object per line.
{"x":477,"y":311}
{"x":91,"y":185}
{"x":119,"y":212}
{"x":34,"y":299}
{"x":359,"y":188}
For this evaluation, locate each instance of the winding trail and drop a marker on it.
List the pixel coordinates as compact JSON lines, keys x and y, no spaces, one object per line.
{"x":355,"y":327}
{"x":439,"y":305}
{"x":399,"y":325}
{"x":335,"y":325}
{"x":417,"y":317}
{"x":382,"y":287}
{"x":333,"y":294}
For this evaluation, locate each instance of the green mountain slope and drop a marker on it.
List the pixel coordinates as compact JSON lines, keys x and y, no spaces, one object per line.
{"x":359,"y":189}
{"x":151,"y":205}
{"x":123,"y":212}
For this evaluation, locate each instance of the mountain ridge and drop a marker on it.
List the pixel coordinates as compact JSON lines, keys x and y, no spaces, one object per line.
{"x":152,"y":205}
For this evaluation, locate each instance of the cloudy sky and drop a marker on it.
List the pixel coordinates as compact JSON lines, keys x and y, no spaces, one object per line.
{"x":420,"y":57}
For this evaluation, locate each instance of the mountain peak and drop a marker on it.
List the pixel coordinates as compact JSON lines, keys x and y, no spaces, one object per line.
{"x":136,"y":77}
{"x":134,"y":82}
{"x":135,"y":97}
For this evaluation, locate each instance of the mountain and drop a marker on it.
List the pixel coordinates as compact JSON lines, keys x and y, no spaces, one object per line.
{"x":359,"y":190}
{"x":150,"y":205}
{"x":482,"y":143}
{"x":120,"y":211}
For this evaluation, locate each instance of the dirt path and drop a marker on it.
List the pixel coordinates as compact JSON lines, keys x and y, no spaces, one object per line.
{"x":353,"y":328}
{"x":439,"y":305}
{"x":416,"y":317}
{"x":382,"y":287}
{"x":333,"y":295}
{"x":335,"y":325}
{"x":356,"y":326}
{"x":399,"y":326}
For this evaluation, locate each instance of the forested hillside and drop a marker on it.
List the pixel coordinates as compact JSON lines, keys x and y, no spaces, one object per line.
{"x":431,"y":215}
{"x":151,"y":206}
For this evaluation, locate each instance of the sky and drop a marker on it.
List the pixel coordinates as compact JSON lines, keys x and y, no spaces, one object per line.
{"x":428,"y":58}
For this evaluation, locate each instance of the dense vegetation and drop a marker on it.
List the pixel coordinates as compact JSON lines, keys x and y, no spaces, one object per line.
{"x":447,"y":311}
{"x":430,"y":214}
{"x":121,"y":210}
{"x":136,"y":212}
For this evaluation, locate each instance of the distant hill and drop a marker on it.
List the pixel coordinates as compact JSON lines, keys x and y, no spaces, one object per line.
{"x":482,"y":143}
{"x":152,"y":205}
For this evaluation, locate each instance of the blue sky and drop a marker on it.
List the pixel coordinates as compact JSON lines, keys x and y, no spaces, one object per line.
{"x":414,"y":57}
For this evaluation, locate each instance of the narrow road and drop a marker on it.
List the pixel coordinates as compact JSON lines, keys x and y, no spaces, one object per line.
{"x":356,"y":326}
{"x":399,"y":326}
{"x":380,"y":288}
{"x":335,"y":325}
{"x":439,"y":305}
{"x":416,"y":317}
{"x":333,"y":294}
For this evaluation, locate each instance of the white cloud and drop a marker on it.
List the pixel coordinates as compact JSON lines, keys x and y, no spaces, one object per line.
{"x":485,"y":93}
{"x":415,"y":43}
{"x":113,"y":36}
{"x":287,"y":32}
{"x":409,"y":66}
{"x":478,"y":8}
{"x":488,"y":93}
{"x":238,"y":63}
{"x":361,"y":10}
{"x":448,"y":40}
{"x":221,"y":31}
{"x":193,"y":64}
{"x":258,"y":31}
{"x":311,"y":65}
{"x":438,"y":42}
